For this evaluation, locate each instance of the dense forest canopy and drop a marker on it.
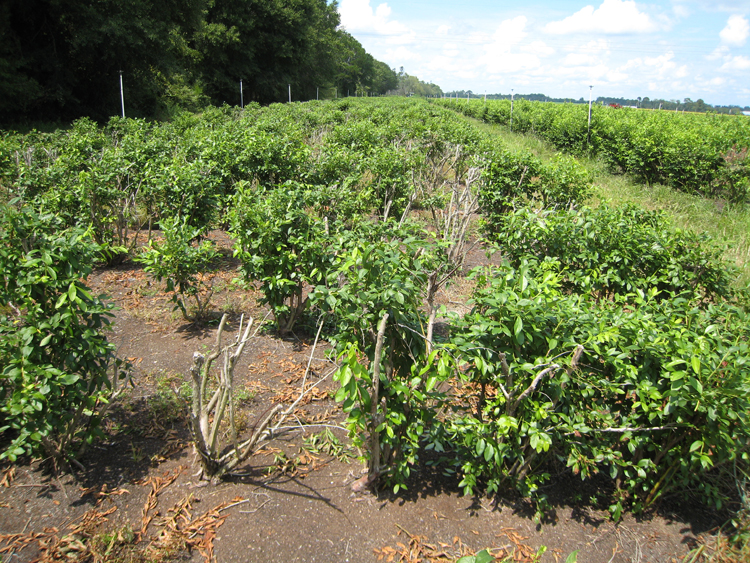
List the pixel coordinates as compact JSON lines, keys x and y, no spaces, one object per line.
{"x":62,"y":59}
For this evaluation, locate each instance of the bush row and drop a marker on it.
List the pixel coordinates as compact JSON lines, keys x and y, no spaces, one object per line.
{"x":696,"y":153}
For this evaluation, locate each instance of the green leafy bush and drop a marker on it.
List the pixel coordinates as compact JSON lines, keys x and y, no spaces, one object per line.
{"x":181,"y":262}
{"x":514,"y":181}
{"x":281,"y":245}
{"x":616,"y":251}
{"x":388,"y":378}
{"x":57,"y":365}
{"x":655,"y":396}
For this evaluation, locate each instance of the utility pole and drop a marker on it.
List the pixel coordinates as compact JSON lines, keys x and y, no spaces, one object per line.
{"x":122,"y":97}
{"x":588,"y":135}
{"x":317,"y":93}
{"x":242,"y":98}
{"x":290,"y":93}
{"x":511,"y":110}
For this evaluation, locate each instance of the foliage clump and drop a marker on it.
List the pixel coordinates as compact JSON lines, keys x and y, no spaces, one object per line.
{"x":613,"y":251}
{"x":182,"y":262}
{"x":58,"y":369}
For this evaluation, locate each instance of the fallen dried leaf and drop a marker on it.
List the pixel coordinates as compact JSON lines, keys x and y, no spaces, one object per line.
{"x":8,"y":476}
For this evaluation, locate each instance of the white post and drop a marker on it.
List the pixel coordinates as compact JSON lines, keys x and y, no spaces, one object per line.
{"x":242,"y":98}
{"x":588,"y":135}
{"x":511,"y":110}
{"x":290,"y":93}
{"x":122,"y":96}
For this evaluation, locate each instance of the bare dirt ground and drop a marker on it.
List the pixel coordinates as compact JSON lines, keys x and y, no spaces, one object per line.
{"x":137,"y":497}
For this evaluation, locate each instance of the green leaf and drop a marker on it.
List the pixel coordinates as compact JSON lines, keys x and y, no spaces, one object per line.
{"x":430,"y":383}
{"x":697,"y":385}
{"x":345,"y":375}
{"x":341,"y":394}
{"x":68,"y":378}
{"x":483,"y":556}
{"x":481,"y":444}
{"x":518,"y":327}
{"x":573,"y":557}
{"x":696,"y":362}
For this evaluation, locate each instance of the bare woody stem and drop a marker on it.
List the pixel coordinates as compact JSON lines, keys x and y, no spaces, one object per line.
{"x":374,"y":469}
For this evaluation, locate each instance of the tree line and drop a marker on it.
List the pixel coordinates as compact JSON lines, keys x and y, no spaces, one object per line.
{"x":698,"y":106}
{"x":62,"y":60}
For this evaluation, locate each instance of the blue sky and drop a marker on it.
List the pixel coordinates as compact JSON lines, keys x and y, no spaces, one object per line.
{"x":671,"y":49}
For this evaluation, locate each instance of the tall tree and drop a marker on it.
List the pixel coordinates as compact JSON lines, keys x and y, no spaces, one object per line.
{"x":355,"y":65}
{"x":268,"y":44}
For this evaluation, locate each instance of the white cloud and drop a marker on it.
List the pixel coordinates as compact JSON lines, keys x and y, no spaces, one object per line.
{"x":451,"y":50}
{"x":663,"y":65}
{"x":680,"y":10}
{"x":539,"y":48}
{"x":508,"y":34}
{"x":718,"y":53}
{"x":616,"y":76}
{"x":595,"y":47}
{"x":402,"y":54}
{"x":512,"y":62}
{"x":499,"y":58}
{"x":660,"y":68}
{"x":358,"y":16}
{"x":736,"y":31}
{"x":477,"y":38}
{"x":736,"y":63}
{"x":613,"y":16}
{"x":443,"y":30}
{"x":579,"y":59}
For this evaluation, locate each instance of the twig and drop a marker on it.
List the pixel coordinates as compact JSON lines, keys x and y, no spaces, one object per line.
{"x":255,"y":509}
{"x":404,"y":530}
{"x":312,"y":353}
{"x":531,"y":387}
{"x":234,"y":504}
{"x":312,"y":425}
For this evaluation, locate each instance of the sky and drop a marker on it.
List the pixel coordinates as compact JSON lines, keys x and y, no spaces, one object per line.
{"x":668,"y":49}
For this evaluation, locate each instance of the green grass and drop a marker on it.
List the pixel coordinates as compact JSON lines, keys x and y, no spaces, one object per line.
{"x":728,"y":225}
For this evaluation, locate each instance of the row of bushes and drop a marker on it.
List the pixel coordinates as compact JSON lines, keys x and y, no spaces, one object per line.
{"x":697,"y":153}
